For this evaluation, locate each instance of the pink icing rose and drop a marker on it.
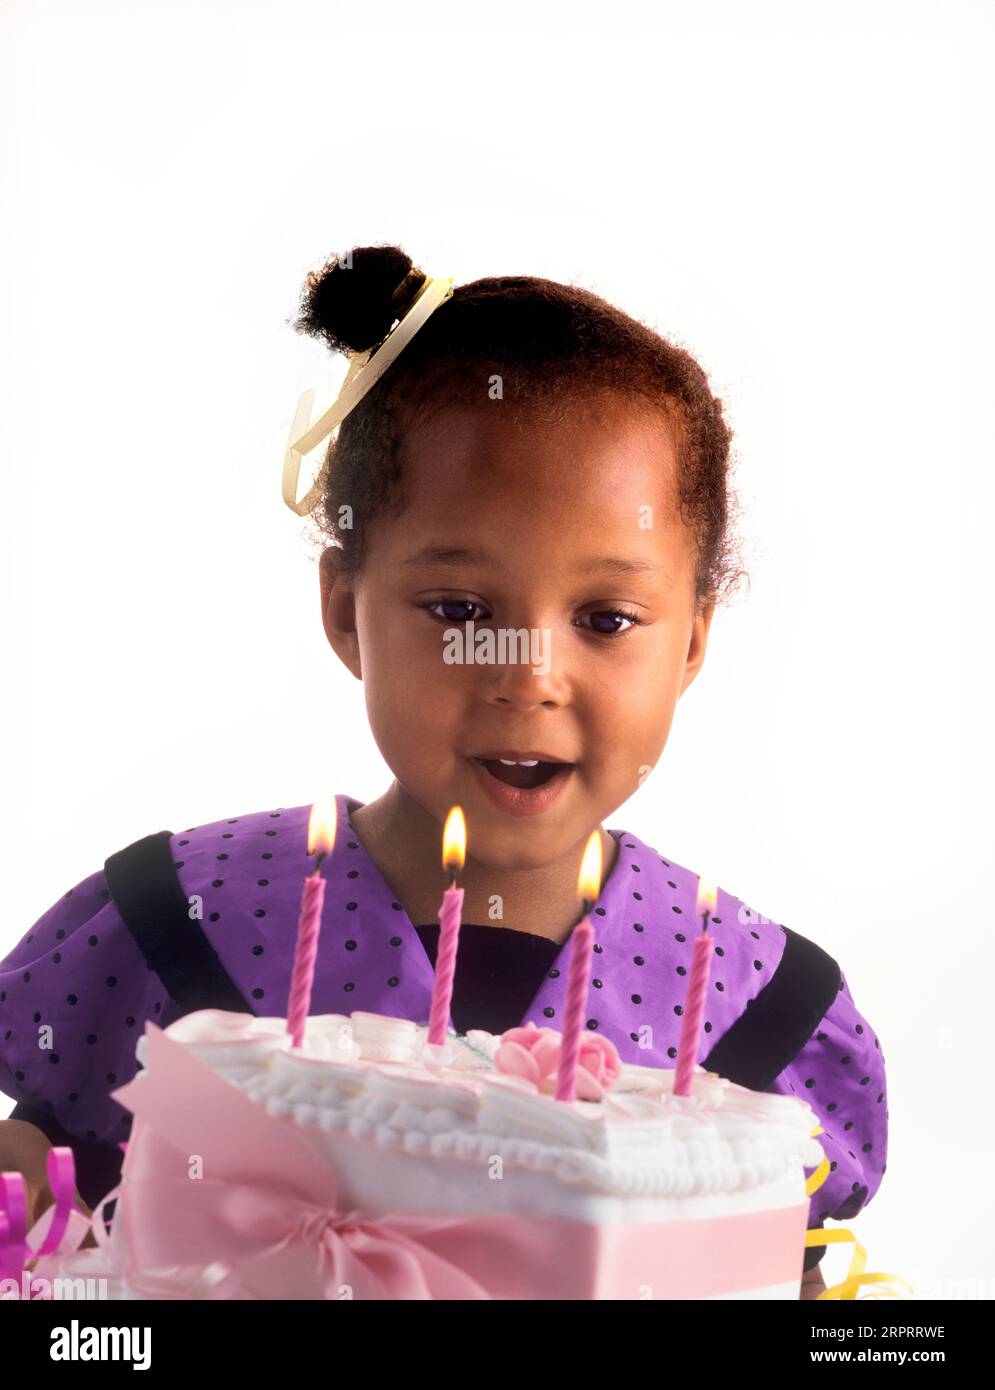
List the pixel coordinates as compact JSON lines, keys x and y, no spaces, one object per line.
{"x":533,"y":1054}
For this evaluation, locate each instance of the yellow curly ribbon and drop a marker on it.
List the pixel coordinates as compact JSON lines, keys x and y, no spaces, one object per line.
{"x":847,"y":1288}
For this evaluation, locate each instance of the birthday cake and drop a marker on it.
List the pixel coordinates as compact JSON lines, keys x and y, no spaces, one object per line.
{"x":365,"y":1164}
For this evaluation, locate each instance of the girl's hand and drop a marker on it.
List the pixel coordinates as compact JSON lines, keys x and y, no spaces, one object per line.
{"x":24,"y":1149}
{"x":46,"y":1198}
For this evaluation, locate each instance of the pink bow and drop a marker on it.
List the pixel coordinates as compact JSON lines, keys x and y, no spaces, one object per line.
{"x":266,"y":1192}
{"x":197,"y":1238}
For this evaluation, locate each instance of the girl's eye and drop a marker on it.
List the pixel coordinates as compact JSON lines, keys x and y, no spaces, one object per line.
{"x":610,"y":616}
{"x":457,"y":603}
{"x":455,"y":610}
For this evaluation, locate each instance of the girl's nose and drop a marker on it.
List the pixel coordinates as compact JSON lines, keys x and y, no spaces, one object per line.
{"x":526,"y":675}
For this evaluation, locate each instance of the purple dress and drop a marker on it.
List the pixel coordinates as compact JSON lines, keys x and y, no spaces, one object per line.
{"x":779,"y":1015}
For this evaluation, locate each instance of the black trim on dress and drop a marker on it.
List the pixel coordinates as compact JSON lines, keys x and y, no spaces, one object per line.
{"x":147,"y":892}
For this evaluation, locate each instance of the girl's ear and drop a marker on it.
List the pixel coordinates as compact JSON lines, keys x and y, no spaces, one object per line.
{"x":338,"y":611}
{"x":699,"y":641}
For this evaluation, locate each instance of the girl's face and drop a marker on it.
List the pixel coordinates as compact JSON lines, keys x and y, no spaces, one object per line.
{"x":567,"y":531}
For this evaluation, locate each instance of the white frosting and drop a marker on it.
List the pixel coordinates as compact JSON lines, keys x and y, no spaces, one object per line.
{"x":369,"y":1077}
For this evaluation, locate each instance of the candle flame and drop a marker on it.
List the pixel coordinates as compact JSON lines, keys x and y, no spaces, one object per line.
{"x":708,"y":896}
{"x":454,"y":840}
{"x":321,"y":826}
{"x":589,"y":878}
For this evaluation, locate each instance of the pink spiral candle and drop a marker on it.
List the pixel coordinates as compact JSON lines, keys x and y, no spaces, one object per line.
{"x":694,"y":1012}
{"x":445,"y":964}
{"x":581,"y":946}
{"x":305,"y":955}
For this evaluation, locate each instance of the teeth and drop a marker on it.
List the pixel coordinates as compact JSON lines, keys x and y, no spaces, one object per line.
{"x":525,"y":762}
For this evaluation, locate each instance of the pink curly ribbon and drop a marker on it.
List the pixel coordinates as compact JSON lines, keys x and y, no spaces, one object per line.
{"x":60,"y":1229}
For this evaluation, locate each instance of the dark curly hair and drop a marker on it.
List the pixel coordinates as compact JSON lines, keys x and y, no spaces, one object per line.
{"x":550,"y":343}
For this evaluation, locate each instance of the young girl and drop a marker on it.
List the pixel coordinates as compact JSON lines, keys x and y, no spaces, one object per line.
{"x":532,"y":460}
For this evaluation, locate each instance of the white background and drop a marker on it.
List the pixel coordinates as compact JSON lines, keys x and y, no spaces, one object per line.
{"x":799,"y":193}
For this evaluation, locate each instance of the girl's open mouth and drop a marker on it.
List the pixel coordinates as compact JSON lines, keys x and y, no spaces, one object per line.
{"x":521,"y":774}
{"x":521,"y":787}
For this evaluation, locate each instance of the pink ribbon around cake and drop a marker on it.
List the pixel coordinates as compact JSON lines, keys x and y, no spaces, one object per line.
{"x":270,"y":1195}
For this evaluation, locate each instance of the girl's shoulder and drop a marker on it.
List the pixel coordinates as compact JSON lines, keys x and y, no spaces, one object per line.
{"x":769,"y":985}
{"x":276,"y":837}
{"x":647,"y":882}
